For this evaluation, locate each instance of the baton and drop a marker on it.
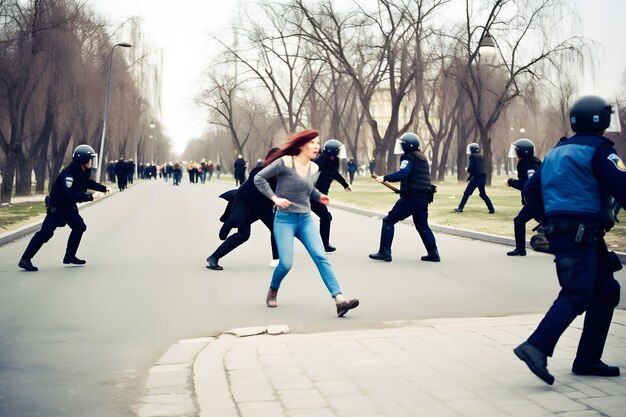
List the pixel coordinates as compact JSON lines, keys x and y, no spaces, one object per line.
{"x":388,"y":185}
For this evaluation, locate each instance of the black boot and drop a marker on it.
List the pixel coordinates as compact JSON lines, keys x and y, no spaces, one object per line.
{"x":433,"y":256}
{"x":386,"y":237}
{"x":325,"y":235}
{"x":381,"y":256}
{"x":519,"y":228}
{"x":73,"y":260}
{"x":27,"y":265}
{"x":212,"y":260}
{"x":536,"y":361}
{"x":597,"y":368}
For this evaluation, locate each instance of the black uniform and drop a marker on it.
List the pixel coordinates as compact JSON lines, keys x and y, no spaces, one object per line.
{"x":477,"y":179}
{"x":246,"y":205}
{"x":416,"y":192}
{"x":69,"y":188}
{"x":121,"y":172}
{"x":526,"y":168}
{"x":329,"y":171}
{"x":240,"y":171}
{"x":574,"y":192}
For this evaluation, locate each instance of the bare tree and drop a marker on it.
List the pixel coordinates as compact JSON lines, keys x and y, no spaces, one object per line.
{"x":517,"y":28}
{"x":372,"y":48}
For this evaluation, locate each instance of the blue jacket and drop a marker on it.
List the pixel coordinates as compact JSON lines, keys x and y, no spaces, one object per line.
{"x":579,"y":179}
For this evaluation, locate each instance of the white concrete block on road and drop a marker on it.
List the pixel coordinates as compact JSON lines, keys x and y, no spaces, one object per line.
{"x":247,"y":331}
{"x":278,"y":329}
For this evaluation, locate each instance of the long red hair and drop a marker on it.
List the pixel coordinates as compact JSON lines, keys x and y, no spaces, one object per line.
{"x":292,"y":147}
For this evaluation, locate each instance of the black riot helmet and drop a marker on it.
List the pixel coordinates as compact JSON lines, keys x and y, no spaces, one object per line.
{"x":83,"y":153}
{"x":472,"y":148}
{"x":523,"y":148}
{"x":333,"y":147}
{"x":590,"y":114}
{"x":408,"y":142}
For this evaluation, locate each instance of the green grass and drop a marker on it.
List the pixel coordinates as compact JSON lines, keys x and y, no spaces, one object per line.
{"x":11,"y":215}
{"x":370,"y":195}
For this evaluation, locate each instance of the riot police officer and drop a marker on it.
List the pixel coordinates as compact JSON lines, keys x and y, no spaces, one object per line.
{"x":527,"y":164}
{"x":575,"y":187}
{"x":477,"y":178}
{"x":328,"y":161}
{"x":416,"y":192}
{"x":69,"y":188}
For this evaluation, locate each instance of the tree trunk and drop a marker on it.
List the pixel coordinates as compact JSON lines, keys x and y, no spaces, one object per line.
{"x":486,"y":145}
{"x":8,"y":176}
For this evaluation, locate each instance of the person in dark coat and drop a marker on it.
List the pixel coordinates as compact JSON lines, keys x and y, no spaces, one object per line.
{"x":121,"y":174}
{"x":245,"y":206}
{"x":527,"y":164}
{"x":328,"y":161}
{"x":240,"y":170}
{"x":69,"y":188}
{"x":130,"y":170}
{"x":477,"y":178}
{"x":352,"y":168}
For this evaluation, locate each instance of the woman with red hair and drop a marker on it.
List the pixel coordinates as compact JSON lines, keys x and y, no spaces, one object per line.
{"x":296,"y":175}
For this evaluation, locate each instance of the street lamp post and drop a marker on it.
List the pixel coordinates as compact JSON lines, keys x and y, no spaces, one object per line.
{"x":152,"y":140}
{"x":106,"y":107}
{"x":152,"y":148}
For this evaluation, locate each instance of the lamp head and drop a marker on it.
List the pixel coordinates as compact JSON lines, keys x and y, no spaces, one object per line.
{"x":487,"y":46}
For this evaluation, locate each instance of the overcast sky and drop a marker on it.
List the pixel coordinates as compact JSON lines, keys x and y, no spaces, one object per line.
{"x":183,"y":29}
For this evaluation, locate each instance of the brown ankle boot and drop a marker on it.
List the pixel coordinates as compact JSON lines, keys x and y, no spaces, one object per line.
{"x":270,"y":300}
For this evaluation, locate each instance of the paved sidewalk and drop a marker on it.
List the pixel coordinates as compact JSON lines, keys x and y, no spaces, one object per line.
{"x":434,"y":368}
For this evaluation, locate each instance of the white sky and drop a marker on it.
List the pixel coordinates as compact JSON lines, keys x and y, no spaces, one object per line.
{"x":183,"y":29}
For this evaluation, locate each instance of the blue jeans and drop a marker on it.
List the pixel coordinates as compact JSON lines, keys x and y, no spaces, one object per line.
{"x":288,"y":226}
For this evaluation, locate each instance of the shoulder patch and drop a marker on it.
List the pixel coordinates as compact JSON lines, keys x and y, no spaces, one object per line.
{"x":404,"y":164}
{"x":69,"y":181}
{"x":619,"y":164}
{"x":530,"y":173}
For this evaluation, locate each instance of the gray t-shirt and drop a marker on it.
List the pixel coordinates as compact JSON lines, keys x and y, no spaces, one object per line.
{"x":300,"y":190}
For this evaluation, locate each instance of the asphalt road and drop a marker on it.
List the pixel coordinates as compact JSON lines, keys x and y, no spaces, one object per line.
{"x":78,"y":341}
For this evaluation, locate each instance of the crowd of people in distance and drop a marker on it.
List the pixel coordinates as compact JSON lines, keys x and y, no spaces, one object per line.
{"x":122,"y":172}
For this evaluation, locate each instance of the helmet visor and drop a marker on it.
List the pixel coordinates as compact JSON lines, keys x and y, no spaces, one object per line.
{"x":94,"y":160}
{"x":468,"y":149}
{"x":397,"y":149}
{"x":513,"y":151}
{"x":615,"y":125}
{"x":342,"y":153}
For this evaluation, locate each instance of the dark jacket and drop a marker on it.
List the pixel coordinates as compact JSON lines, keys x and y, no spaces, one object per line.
{"x":476,"y":166}
{"x":71,"y":187}
{"x":526,"y":168}
{"x":414,"y":175}
{"x":247,"y":203}
{"x":579,"y":179}
{"x":329,"y":171}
